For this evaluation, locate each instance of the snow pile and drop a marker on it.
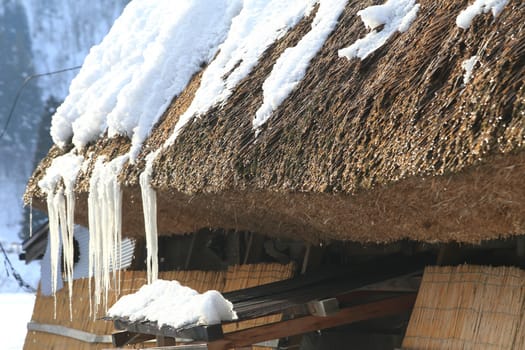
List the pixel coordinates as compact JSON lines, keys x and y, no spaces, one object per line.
{"x":465,"y":17}
{"x":61,"y":211}
{"x":468,"y":67}
{"x":17,"y":309}
{"x":147,"y":58}
{"x":259,"y":24}
{"x":291,"y":66}
{"x":171,"y":304}
{"x":395,"y":15}
{"x":105,"y":223}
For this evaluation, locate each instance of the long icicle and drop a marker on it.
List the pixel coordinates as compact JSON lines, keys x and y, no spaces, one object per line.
{"x":54,"y":245}
{"x":66,"y":233}
{"x":149,"y":203}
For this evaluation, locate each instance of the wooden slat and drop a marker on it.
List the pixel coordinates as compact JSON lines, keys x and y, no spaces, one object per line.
{"x":280,"y":302}
{"x":305,"y":324}
{"x":329,"y":278}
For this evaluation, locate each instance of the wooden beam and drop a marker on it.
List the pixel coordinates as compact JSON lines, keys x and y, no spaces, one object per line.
{"x":305,"y":324}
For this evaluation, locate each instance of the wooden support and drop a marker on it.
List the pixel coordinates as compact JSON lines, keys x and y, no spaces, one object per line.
{"x":254,"y":249}
{"x":408,"y":283}
{"x":165,"y":341}
{"x":520,"y":246}
{"x":323,"y":308}
{"x":248,"y":248}
{"x":126,"y":338}
{"x":449,"y":254}
{"x":305,"y":260}
{"x":190,"y":251}
{"x":233,"y":248}
{"x":305,"y":324}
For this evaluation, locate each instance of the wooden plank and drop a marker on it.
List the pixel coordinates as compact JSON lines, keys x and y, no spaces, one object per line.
{"x":305,"y":324}
{"x":69,"y":332}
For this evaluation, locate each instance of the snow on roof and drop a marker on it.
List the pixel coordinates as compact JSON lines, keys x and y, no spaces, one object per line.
{"x":258,"y":25}
{"x":466,"y":16}
{"x":147,"y":58}
{"x":468,"y":67}
{"x":290,"y":67}
{"x":395,"y":15}
{"x":63,"y":168}
{"x":171,"y":304}
{"x":150,"y":54}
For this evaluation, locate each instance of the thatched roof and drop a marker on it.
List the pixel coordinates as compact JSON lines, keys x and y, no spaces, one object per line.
{"x":390,"y":147}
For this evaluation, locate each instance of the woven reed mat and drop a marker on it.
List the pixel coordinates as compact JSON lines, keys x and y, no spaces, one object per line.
{"x":236,"y":277}
{"x":468,"y":307}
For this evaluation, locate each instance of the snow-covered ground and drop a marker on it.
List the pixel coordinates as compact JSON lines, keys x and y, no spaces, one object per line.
{"x":15,"y":301}
{"x":16,"y":310}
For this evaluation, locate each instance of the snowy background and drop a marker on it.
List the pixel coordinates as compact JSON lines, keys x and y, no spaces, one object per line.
{"x":36,"y":36}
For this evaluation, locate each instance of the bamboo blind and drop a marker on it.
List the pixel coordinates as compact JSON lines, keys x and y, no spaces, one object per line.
{"x":468,"y":307}
{"x":246,"y":276}
{"x":234,"y":278}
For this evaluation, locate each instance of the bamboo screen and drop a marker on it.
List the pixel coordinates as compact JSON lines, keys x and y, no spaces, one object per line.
{"x":246,"y":276}
{"x":236,"y":277}
{"x":468,"y":307}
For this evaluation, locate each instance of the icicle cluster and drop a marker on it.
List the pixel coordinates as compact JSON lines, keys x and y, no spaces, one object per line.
{"x":61,"y":210}
{"x":105,"y":223}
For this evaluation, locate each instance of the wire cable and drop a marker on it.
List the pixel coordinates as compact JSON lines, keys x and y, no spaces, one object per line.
{"x":16,"y":275}
{"x":21,"y":88}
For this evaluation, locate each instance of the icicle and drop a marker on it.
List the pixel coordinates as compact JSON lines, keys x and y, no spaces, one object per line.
{"x":105,"y":222}
{"x":54,"y":243}
{"x":149,"y":204}
{"x":30,"y":216}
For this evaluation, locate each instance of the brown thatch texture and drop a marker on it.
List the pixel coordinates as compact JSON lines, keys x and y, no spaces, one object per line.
{"x":236,"y":277}
{"x":468,"y":307}
{"x":390,"y":147}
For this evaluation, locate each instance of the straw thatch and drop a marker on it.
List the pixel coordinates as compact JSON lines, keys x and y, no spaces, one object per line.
{"x":236,"y":277}
{"x":391,"y":147}
{"x":468,"y":307}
